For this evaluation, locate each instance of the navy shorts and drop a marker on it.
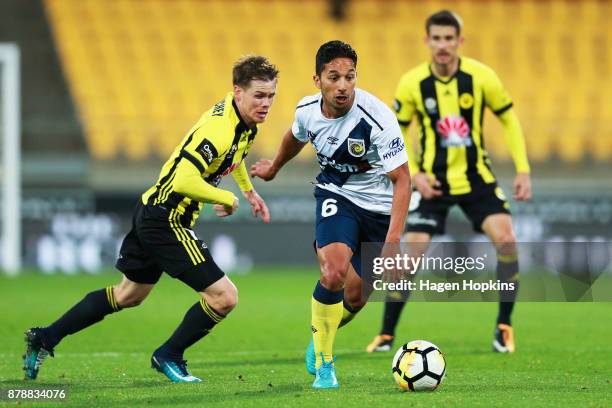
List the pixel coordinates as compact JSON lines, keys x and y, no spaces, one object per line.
{"x":339,"y":220}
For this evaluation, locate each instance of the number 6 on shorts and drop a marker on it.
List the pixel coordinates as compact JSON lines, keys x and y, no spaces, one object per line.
{"x":329,"y":207}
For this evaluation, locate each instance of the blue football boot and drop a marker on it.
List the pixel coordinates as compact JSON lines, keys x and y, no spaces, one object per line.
{"x":36,"y":352}
{"x":311,"y":359}
{"x":176,"y":371}
{"x":325,"y":376}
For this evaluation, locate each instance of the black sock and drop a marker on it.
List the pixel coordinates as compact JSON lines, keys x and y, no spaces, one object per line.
{"x":197,"y":323}
{"x":92,"y":309}
{"x":507,"y":271}
{"x":393,"y":309}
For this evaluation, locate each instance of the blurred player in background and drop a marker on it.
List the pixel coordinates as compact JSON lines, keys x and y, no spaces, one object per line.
{"x":362,"y":192}
{"x":161,"y":238}
{"x":448,"y":96}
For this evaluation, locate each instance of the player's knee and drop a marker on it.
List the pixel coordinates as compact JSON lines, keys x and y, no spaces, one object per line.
{"x":506,"y":243}
{"x":127,"y":299}
{"x":230,"y":300}
{"x":354,"y":296}
{"x":333,"y":277}
{"x":355,"y":299}
{"x":333,"y":274}
{"x":225,"y":301}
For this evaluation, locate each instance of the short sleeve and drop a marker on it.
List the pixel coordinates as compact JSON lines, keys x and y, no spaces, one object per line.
{"x":390,"y":145}
{"x":298,"y":129}
{"x":496,"y":96}
{"x":403,"y":102}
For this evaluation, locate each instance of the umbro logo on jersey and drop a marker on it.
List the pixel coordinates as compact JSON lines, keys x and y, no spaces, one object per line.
{"x":332,"y":140}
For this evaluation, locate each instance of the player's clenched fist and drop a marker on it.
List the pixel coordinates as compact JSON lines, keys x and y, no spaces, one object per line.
{"x":225,"y":210}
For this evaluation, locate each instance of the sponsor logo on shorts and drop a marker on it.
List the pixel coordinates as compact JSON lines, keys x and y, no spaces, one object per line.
{"x":417,"y":219}
{"x":499,"y":193}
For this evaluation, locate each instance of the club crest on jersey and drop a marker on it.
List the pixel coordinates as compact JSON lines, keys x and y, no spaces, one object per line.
{"x":356,"y":147}
{"x":431,"y":105}
{"x":454,"y":131}
{"x":466,"y":101}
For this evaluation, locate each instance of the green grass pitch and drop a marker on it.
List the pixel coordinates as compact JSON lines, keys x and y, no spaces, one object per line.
{"x":255,"y":357}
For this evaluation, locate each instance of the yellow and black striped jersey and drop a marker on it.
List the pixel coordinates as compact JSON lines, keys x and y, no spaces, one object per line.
{"x":213,"y":148}
{"x":450,"y":115}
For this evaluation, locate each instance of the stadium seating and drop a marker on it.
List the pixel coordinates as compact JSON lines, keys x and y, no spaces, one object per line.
{"x":141,"y":72}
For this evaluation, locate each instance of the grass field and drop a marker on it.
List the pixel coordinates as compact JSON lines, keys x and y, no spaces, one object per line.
{"x":255,"y":357}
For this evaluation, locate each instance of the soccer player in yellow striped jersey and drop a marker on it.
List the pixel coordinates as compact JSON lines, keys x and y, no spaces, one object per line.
{"x":448,"y":96}
{"x":161,"y":239}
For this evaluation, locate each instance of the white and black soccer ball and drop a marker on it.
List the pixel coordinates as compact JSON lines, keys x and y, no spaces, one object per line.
{"x":419,"y":366}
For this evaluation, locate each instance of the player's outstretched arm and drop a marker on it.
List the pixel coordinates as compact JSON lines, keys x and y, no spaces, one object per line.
{"x":400,"y":177}
{"x":267,"y":169}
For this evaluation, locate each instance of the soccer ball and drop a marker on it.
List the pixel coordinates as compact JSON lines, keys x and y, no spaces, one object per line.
{"x":419,"y":366}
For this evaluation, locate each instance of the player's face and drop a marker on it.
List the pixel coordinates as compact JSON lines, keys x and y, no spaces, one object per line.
{"x":254,"y":101}
{"x":337,"y":84}
{"x":444,"y":42}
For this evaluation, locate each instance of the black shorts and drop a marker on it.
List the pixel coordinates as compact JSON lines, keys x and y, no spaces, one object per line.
{"x":430,"y":215}
{"x":157,"y":243}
